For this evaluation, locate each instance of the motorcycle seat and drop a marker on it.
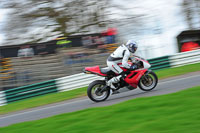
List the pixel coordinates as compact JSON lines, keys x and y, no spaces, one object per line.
{"x":106,"y":70}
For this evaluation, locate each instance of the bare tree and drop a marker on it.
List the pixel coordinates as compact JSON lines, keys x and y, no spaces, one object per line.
{"x":42,"y":20}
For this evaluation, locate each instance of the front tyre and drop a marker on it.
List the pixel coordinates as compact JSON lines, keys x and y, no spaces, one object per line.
{"x":148,"y":81}
{"x":94,"y":91}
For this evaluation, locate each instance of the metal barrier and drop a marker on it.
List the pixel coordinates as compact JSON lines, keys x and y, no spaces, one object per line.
{"x":2,"y":98}
{"x":75,"y":81}
{"x":81,"y":80}
{"x":185,"y":58}
{"x":28,"y":91}
{"x":160,"y":62}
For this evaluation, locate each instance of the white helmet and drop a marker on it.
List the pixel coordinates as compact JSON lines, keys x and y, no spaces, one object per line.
{"x":132,"y":46}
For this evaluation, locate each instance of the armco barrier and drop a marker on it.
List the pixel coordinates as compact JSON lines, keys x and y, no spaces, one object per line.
{"x":185,"y":58}
{"x":160,"y":62}
{"x":82,"y":80}
{"x":28,"y":91}
{"x":75,"y":81}
{"x":2,"y":98}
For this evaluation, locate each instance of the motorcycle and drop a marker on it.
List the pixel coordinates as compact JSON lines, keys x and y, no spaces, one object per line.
{"x":142,"y":77}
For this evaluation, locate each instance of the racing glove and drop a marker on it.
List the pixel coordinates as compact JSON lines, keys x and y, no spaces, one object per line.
{"x":133,"y":67}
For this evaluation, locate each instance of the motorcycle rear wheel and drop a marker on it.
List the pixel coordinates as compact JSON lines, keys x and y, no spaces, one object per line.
{"x":94,"y":93}
{"x":148,"y":81}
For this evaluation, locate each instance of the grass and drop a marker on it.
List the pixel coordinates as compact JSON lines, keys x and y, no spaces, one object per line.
{"x":42,"y":100}
{"x":165,"y":73}
{"x":58,"y":97}
{"x":171,"y":113}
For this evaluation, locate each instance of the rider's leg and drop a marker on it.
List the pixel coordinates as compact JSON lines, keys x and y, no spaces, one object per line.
{"x":112,"y":81}
{"x":114,"y":67}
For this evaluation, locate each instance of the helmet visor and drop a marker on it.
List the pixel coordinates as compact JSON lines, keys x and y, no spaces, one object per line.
{"x":133,"y":49}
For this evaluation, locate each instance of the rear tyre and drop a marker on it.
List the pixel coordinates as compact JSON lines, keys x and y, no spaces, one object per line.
{"x":148,"y":81}
{"x":94,"y":89}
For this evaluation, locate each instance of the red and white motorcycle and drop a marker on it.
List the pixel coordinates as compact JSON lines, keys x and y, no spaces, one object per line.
{"x":143,"y":77}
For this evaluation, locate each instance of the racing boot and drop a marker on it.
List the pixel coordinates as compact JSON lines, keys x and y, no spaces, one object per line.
{"x":112,"y":81}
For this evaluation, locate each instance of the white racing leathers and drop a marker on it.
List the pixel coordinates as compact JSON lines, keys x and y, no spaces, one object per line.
{"x":120,"y":55}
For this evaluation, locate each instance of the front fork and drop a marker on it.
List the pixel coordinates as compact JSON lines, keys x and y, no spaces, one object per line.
{"x":146,"y":73}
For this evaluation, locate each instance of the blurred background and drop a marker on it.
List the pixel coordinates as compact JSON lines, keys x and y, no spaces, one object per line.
{"x":47,"y":39}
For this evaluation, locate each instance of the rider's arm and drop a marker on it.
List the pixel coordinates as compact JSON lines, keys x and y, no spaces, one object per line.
{"x":125,"y":59}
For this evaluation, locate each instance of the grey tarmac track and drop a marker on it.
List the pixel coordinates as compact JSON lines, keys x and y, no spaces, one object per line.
{"x":165,"y":86}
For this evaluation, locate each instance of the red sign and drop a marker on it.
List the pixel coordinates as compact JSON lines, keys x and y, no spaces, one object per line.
{"x":188,"y":46}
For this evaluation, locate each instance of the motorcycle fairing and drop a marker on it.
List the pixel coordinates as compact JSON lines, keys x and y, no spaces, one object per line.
{"x":134,"y":77}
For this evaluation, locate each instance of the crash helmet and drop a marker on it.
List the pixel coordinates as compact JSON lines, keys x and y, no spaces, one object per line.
{"x":132,"y":46}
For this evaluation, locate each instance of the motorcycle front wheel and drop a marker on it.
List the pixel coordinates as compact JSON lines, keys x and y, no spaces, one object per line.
{"x":94,"y":91}
{"x":148,"y":81}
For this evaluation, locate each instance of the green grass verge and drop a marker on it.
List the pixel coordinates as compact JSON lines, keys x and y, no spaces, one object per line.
{"x":165,"y":73}
{"x":42,"y":100}
{"x":58,"y":97}
{"x":171,"y":113}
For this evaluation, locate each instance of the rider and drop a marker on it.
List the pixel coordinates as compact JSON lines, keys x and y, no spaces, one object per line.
{"x":121,"y":55}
